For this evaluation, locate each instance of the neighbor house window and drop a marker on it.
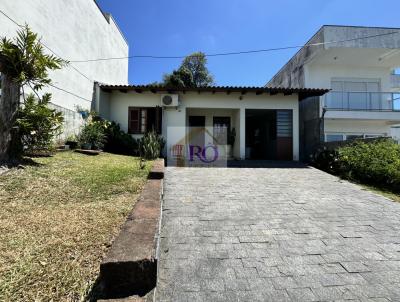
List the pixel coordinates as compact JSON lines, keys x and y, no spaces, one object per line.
{"x":341,"y":137}
{"x":144,"y":119}
{"x":354,"y":136}
{"x":221,"y":128}
{"x":334,"y":137}
{"x":373,"y":135}
{"x":355,"y":94}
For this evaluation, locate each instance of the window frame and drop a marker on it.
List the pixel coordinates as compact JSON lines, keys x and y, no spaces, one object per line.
{"x":229,"y":128}
{"x":336,"y":134}
{"x":364,"y":81}
{"x":361,"y":135}
{"x":143,"y":120}
{"x":354,"y":136}
{"x":372,"y":135}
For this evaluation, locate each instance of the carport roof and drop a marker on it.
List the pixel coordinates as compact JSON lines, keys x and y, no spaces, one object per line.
{"x":213,"y":89}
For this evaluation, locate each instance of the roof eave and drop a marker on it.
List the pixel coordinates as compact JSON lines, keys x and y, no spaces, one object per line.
{"x":214,"y":89}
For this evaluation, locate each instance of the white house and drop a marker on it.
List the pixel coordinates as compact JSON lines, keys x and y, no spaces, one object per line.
{"x":75,"y":30}
{"x":358,"y":64}
{"x":266,"y":120}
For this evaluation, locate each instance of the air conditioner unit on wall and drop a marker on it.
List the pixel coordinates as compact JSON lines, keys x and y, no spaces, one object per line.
{"x":169,"y":100}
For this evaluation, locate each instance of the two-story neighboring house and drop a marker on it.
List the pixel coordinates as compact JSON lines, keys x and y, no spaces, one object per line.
{"x":77,"y":31}
{"x":359,"y":65}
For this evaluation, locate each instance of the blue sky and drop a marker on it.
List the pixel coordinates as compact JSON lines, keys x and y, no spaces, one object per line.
{"x":180,"y":27}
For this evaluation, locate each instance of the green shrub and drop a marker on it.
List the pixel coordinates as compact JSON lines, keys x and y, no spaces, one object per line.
{"x":92,"y":135}
{"x":38,"y":124}
{"x":376,"y":163}
{"x":372,"y":162}
{"x":151,"y":145}
{"x":326,"y":159}
{"x":119,"y":142}
{"x":103,"y":134}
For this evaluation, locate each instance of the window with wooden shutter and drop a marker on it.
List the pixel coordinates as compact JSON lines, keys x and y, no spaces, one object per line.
{"x":144,"y":119}
{"x":133,"y":123}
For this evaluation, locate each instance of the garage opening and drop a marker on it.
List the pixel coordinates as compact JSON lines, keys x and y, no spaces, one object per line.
{"x":269,"y":134}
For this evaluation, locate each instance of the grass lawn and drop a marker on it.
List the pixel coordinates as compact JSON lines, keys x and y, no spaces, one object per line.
{"x":57,"y":219}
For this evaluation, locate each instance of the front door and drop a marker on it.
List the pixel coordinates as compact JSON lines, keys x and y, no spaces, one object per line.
{"x":197,"y":130}
{"x":284,"y":135}
{"x":269,"y":134}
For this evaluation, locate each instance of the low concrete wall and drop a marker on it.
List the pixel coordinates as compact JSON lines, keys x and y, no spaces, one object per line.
{"x":73,"y":121}
{"x":130,"y":266}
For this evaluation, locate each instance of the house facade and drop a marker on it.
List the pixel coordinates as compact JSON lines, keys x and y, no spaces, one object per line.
{"x":263,"y":121}
{"x":359,"y":65}
{"x":75,"y":30}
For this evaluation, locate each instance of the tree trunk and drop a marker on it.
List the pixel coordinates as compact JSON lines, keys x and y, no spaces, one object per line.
{"x":9,"y":102}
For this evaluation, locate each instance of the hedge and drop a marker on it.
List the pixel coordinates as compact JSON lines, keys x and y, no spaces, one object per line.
{"x":374,"y":162}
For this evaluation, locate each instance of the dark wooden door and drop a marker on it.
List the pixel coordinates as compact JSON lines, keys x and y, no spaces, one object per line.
{"x":284,"y":135}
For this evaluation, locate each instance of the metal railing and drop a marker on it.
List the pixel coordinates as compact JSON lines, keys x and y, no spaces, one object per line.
{"x":364,"y":101}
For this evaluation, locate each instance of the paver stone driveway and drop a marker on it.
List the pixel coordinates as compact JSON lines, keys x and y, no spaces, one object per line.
{"x":275,"y":234}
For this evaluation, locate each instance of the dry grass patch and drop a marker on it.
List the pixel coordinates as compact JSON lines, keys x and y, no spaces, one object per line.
{"x":57,"y":220}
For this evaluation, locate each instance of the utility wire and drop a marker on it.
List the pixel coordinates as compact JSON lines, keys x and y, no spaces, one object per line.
{"x":48,"y":48}
{"x":73,"y":67}
{"x":9,"y":18}
{"x":69,"y":92}
{"x":183,"y":56}
{"x":238,"y":52}
{"x":213,"y":54}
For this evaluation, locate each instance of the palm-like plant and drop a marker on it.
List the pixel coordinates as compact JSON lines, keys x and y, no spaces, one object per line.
{"x":151,"y":145}
{"x":23,"y":62}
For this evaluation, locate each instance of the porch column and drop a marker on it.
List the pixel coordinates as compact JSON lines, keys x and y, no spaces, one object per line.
{"x":242,"y":133}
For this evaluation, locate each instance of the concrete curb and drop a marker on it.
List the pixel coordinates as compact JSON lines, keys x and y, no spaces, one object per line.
{"x":130,"y":266}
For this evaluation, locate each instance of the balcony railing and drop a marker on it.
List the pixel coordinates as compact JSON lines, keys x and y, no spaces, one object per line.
{"x":368,"y":101}
{"x":395,"y":81}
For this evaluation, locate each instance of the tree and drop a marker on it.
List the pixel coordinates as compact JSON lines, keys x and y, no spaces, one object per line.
{"x":179,"y":78}
{"x":23,"y":63}
{"x":192,"y":73}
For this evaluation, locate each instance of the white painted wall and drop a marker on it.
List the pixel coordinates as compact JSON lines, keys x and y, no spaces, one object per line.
{"x":209,"y":114}
{"x":319,"y":76}
{"x":353,"y":122}
{"x":395,"y":133}
{"x":75,"y":30}
{"x":119,"y":103}
{"x":73,"y":122}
